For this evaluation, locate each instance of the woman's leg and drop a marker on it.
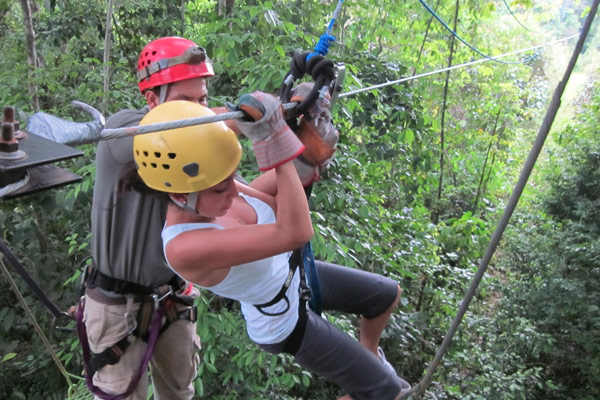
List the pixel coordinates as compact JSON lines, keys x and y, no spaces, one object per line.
{"x":372,"y":296}
{"x":371,"y":329}
{"x":333,"y":354}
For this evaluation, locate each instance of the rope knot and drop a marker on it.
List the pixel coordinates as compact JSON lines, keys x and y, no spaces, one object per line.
{"x":322,"y":46}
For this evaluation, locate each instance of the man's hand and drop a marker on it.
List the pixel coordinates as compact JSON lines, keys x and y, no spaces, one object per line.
{"x":317,"y":133}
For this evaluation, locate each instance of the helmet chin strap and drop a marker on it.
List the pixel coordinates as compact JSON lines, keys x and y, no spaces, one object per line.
{"x":163,"y":90}
{"x":190,"y":204}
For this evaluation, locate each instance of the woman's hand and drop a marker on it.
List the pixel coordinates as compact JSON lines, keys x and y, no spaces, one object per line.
{"x":273,"y":141}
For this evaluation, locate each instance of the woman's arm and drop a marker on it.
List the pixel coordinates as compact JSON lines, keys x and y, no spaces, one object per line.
{"x":204,"y":256}
{"x":262,"y":192}
{"x":266,"y":183}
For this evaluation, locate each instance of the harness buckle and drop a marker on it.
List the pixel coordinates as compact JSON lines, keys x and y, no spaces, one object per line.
{"x":119,"y":287}
{"x":130,"y":322}
{"x":89,"y":276}
{"x":193,"y":314}
{"x":156,"y":301}
{"x":305,"y":294}
{"x":168,"y":293}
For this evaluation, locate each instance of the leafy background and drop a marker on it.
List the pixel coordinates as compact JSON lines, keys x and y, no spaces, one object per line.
{"x":422,"y":173}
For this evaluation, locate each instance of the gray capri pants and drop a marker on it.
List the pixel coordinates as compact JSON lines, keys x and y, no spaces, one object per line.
{"x":328,"y":351}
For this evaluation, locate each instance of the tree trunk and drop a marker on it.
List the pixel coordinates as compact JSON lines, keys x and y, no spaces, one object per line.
{"x":225,"y":7}
{"x":31,"y":54}
{"x":442,"y":137}
{"x":483,"y":169}
{"x":424,"y":40}
{"x":182,"y":18}
{"x":106,"y":60}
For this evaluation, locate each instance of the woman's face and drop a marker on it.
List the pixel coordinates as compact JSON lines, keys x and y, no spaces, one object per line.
{"x":215,"y":201}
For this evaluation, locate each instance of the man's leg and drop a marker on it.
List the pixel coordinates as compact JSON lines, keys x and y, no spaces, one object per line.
{"x":175,"y":360}
{"x":105,"y":326}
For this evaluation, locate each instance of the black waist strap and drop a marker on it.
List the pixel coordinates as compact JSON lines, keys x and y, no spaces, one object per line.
{"x":95,"y":278}
{"x":293,"y":342}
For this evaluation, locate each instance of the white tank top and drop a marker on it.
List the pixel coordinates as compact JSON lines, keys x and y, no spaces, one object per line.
{"x":256,"y":282}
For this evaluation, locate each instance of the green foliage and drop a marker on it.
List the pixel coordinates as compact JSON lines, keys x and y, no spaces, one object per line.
{"x":537,"y":333}
{"x":232,"y":367}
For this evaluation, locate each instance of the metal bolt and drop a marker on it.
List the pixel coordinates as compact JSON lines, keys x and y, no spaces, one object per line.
{"x":9,"y":147}
{"x":8,"y":131}
{"x":9,"y":116}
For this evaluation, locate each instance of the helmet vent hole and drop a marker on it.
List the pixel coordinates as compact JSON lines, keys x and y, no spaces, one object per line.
{"x":172,"y":156}
{"x":156,"y":154}
{"x":153,"y":165}
{"x":191,"y":169}
{"x":137,"y":152}
{"x":166,"y":166}
{"x":144,"y":163}
{"x":168,"y":184}
{"x":145,"y":153}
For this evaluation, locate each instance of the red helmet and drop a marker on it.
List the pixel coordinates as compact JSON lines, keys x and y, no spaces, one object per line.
{"x":171,"y":59}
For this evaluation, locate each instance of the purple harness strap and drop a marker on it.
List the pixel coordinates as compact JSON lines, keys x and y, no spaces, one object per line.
{"x":152,"y":338}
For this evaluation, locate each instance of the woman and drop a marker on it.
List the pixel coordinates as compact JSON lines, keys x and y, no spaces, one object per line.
{"x":236,"y":242}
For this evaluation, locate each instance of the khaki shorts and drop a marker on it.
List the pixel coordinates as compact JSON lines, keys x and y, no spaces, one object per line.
{"x":174,"y":362}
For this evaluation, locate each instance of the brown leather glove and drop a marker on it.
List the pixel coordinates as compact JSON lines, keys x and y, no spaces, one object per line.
{"x":315,"y":129}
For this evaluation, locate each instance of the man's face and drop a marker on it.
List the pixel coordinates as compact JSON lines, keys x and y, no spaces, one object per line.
{"x":193,"y":90}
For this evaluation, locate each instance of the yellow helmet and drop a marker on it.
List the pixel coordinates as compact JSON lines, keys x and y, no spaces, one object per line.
{"x":189,"y":159}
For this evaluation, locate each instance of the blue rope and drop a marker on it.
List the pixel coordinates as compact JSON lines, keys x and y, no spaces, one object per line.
{"x":515,"y":17}
{"x":326,"y":39}
{"x":312,"y":276}
{"x":441,"y":21}
{"x":336,"y":13}
{"x":322,"y":46}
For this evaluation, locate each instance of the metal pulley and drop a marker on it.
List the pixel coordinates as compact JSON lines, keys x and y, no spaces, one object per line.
{"x":26,"y":158}
{"x":337,"y":85}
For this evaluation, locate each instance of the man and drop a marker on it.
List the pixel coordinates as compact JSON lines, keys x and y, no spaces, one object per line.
{"x":128,"y":261}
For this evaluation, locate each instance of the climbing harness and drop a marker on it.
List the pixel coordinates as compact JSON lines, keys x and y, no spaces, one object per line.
{"x":308,"y":261}
{"x":114,"y":356}
{"x":94,"y":278}
{"x":329,"y":79}
{"x":155,"y":303}
{"x":294,"y":340}
{"x":295,"y":263}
